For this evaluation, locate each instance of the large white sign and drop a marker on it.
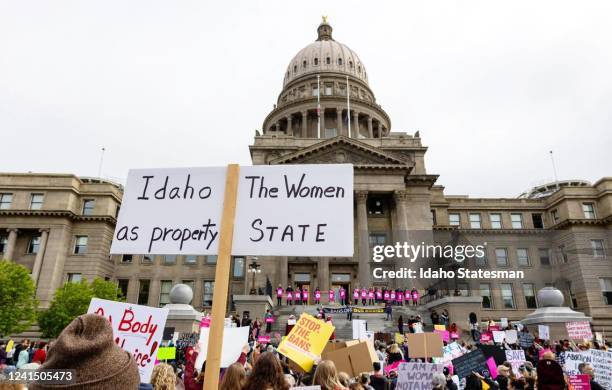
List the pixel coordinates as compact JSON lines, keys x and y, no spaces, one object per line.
{"x":283,"y":210}
{"x":416,"y":375}
{"x":137,"y":329}
{"x":600,"y":360}
{"x":234,"y":339}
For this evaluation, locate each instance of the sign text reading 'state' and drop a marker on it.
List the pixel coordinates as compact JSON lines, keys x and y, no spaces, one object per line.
{"x":287,"y":210}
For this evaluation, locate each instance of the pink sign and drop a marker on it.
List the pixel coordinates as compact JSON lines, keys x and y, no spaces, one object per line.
{"x":579,"y":382}
{"x":494,"y":327}
{"x":454,"y":335}
{"x":393,"y":367}
{"x":484,"y":337}
{"x":205,"y":322}
{"x":263,"y":339}
{"x":270,"y":320}
{"x":444,"y":333}
{"x":579,"y":330}
{"x":492,"y":367}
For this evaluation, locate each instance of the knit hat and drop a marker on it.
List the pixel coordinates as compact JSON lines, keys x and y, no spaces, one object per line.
{"x":86,"y":345}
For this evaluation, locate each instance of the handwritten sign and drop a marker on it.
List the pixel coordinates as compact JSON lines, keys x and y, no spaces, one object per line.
{"x":473,"y":361}
{"x":544,"y":332}
{"x":137,"y":329}
{"x":306,"y":341}
{"x":511,"y":336}
{"x":516,"y":359}
{"x":289,"y":210}
{"x":579,"y":382}
{"x":525,"y":339}
{"x":416,"y":375}
{"x":579,"y":330}
{"x":499,"y":336}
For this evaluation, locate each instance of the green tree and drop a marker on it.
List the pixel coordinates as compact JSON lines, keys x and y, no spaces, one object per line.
{"x":72,"y":300}
{"x":17,"y":298}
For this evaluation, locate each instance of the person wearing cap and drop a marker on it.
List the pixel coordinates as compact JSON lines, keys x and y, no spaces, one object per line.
{"x":86,"y":345}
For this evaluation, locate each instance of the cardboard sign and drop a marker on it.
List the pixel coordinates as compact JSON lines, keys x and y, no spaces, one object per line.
{"x":306,"y":341}
{"x":234,"y":339}
{"x":579,"y":330}
{"x":424,"y":345}
{"x":544,"y":332}
{"x":416,"y":375}
{"x":525,"y":339}
{"x":281,"y":210}
{"x":473,"y":361}
{"x":352,"y":357}
{"x":137,"y":329}
{"x":579,"y":382}
{"x":166,"y":353}
{"x":516,"y":358}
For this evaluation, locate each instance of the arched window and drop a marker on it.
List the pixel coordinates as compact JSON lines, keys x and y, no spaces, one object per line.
{"x":351,"y":64}
{"x":304,"y":64}
{"x":316,"y":61}
{"x":294,"y":68}
{"x":359,"y":69}
{"x":340,"y":61}
{"x":328,"y":60}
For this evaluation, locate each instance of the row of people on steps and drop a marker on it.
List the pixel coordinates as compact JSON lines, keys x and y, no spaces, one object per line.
{"x":365,"y":296}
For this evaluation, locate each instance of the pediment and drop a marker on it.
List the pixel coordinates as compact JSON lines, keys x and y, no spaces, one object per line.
{"x":341,"y":150}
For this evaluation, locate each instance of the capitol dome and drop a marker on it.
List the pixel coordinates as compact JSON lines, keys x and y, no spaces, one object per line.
{"x":325,"y":55}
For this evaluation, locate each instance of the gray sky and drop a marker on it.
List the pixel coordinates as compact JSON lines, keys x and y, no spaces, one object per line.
{"x":491,"y":86}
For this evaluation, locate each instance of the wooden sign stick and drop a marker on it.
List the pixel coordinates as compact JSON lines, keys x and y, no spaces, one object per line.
{"x":222,"y":272}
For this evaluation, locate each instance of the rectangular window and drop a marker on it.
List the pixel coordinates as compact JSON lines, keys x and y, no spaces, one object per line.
{"x":598,"y":248}
{"x":191,"y":259}
{"x":507,"y":296}
{"x":211,"y":259}
{"x":377,"y":239}
{"x":475,"y":221}
{"x":454,"y":219}
{"x":485,"y":293}
{"x":342,"y":89}
{"x":36,"y":201}
{"x":538,"y":221}
{"x":330,"y":132}
{"x":207,"y":297}
{"x":433,"y":217}
{"x":522,"y":256}
{"x":238,"y":270}
{"x":328,"y":89}
{"x":88,"y":206}
{"x":127,"y":259}
{"x":464,"y":289}
{"x":606,"y":290}
{"x":143,"y":291}
{"x":544,"y":256}
{"x":589,"y":210}
{"x":501,"y":256}
{"x":5,"y":201}
{"x":530,"y":297}
{"x":148,"y":259}
{"x":164,"y":292}
{"x":517,"y":221}
{"x":481,"y":261}
{"x":169,"y":259}
{"x":80,"y":245}
{"x":34,"y":245}
{"x":3,"y":243}
{"x":122,"y":285}
{"x":376,"y":206}
{"x":555,"y":215}
{"x":315,"y":90}
{"x":74,"y":278}
{"x":496,"y":221}
{"x":563,"y":253}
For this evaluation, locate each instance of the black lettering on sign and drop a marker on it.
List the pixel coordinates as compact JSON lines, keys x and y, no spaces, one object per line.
{"x":122,"y":233}
{"x":300,"y":190}
{"x":144,"y":190}
{"x":258,"y":222}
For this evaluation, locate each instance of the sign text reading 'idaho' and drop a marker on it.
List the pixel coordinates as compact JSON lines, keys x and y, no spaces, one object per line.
{"x":282,"y":210}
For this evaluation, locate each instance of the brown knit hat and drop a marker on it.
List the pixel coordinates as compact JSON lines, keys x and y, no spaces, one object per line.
{"x":87,"y":346}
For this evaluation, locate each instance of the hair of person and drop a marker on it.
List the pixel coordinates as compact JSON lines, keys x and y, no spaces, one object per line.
{"x":163,"y":377}
{"x":233,"y":378}
{"x":267,"y":372}
{"x":355,"y":386}
{"x":326,"y":376}
{"x":438,"y":379}
{"x":344,"y":378}
{"x":394,"y":348}
{"x":473,"y":382}
{"x":376,"y":366}
{"x":364,"y":378}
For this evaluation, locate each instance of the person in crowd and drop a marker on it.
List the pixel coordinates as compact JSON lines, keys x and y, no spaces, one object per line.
{"x":435,"y":318}
{"x":381,"y":352}
{"x":87,"y":346}
{"x":588,"y":370}
{"x":41,"y":352}
{"x":267,"y":374}
{"x":399,"y":296}
{"x":392,"y":297}
{"x":549,"y":373}
{"x":389,"y":311}
{"x":317,"y":296}
{"x":344,"y":379}
{"x":356,"y":296}
{"x":163,"y":377}
{"x":438,"y":381}
{"x":342,"y":293}
{"x":475,"y":381}
{"x":371,"y":295}
{"x":18,"y":348}
{"x":415,"y":297}
{"x":407,"y":297}
{"x":377,"y":380}
{"x":444,"y":317}
{"x":289,"y":292}
{"x":474,"y":327}
{"x":279,"y":295}
{"x":298,"y":295}
{"x":305,"y":296}
{"x":503,"y":377}
{"x":234,"y":377}
{"x":246,"y":321}
{"x":326,"y":376}
{"x":364,"y":296}
{"x":386,"y":295}
{"x":268,"y":317}
{"x":400,"y":324}
{"x":379,"y":295}
{"x":331,"y":296}
{"x":24,"y":355}
{"x":395,"y":354}
{"x":3,"y":354}
{"x":290,"y":324}
{"x":450,"y":384}
{"x":364,"y":380}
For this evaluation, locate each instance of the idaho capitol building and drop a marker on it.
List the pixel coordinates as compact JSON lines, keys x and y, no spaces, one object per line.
{"x":61,"y":226}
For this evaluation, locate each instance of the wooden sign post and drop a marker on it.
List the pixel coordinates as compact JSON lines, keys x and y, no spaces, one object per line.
{"x":222,"y":272}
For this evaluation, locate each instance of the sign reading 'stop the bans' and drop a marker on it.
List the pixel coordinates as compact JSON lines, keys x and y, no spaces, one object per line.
{"x":282,"y":210}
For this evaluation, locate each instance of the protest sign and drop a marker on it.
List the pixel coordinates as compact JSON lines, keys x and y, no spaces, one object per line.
{"x":571,"y":361}
{"x":359,"y":329}
{"x":399,"y":338}
{"x":492,"y":367}
{"x":496,"y":351}
{"x":439,"y":327}
{"x":166,"y":353}
{"x":579,"y":330}
{"x":486,"y":337}
{"x":511,"y":336}
{"x":516,"y":358}
{"x":168,"y":333}
{"x":503,"y":322}
{"x":137,"y":329}
{"x":393,"y":366}
{"x":454,"y":335}
{"x":371,"y":310}
{"x":306,"y":341}
{"x":525,"y":339}
{"x":289,"y":210}
{"x":416,"y":375}
{"x":450,"y":351}
{"x":263,"y":339}
{"x":473,"y":361}
{"x":9,"y":346}
{"x":424,"y":345}
{"x":499,"y":336}
{"x":602,"y":366}
{"x":543,"y":332}
{"x":445,"y":334}
{"x":579,"y":382}
{"x":234,"y":339}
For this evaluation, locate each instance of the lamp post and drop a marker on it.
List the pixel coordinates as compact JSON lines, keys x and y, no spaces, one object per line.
{"x":254,"y":268}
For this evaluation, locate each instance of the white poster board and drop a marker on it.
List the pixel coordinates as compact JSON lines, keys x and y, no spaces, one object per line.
{"x":234,"y":339}
{"x":511,"y":336}
{"x":416,"y":375}
{"x":359,"y":330}
{"x":579,"y":330}
{"x":282,"y":210}
{"x":543,"y":332}
{"x":499,"y":336}
{"x":503,"y":323}
{"x":137,"y":329}
{"x":516,"y":358}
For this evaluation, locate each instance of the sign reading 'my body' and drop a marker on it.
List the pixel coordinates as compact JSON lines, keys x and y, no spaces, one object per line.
{"x":281,"y":210}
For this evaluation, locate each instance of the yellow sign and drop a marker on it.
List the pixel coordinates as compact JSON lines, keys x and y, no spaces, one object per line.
{"x":439,"y":327}
{"x":166,"y":353}
{"x":9,"y":345}
{"x":306,"y":341}
{"x":399,"y":338}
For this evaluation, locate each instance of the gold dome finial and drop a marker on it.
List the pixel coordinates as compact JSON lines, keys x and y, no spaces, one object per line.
{"x":324,"y":17}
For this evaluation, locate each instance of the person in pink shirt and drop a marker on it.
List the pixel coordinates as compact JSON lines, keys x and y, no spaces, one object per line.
{"x":371,"y":296}
{"x":304,"y":296}
{"x":342,"y":296}
{"x":356,"y":296}
{"x":387,"y":295}
{"x":392,"y":297}
{"x":289,"y":296}
{"x":400,"y":297}
{"x":407,"y":297}
{"x":379,"y":295}
{"x":415,"y":297}
{"x":331,"y":295}
{"x":317,"y":296}
{"x":279,"y":295}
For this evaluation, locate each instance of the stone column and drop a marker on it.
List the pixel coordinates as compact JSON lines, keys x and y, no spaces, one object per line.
{"x":304,"y":127}
{"x":10,"y":245}
{"x":277,"y":126}
{"x":322,"y":114}
{"x":51,"y":275}
{"x":323,"y":274}
{"x":379,"y":130}
{"x":370,"y":129}
{"x":44,"y":235}
{"x":355,"y":127}
{"x":401,"y":222}
{"x":339,"y":120}
{"x":364,"y":238}
{"x":289,"y":126}
{"x":284,"y":271}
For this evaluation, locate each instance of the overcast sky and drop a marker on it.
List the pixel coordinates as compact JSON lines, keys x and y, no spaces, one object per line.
{"x":491,"y":86}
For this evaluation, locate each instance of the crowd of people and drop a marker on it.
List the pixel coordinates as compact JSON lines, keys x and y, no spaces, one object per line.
{"x":365,"y":296}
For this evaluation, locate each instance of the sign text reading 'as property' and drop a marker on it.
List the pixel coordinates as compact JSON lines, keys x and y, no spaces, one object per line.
{"x":290,"y":210}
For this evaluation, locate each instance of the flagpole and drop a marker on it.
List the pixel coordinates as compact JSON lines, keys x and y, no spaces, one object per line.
{"x":319,"y":104}
{"x":348,"y":106}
